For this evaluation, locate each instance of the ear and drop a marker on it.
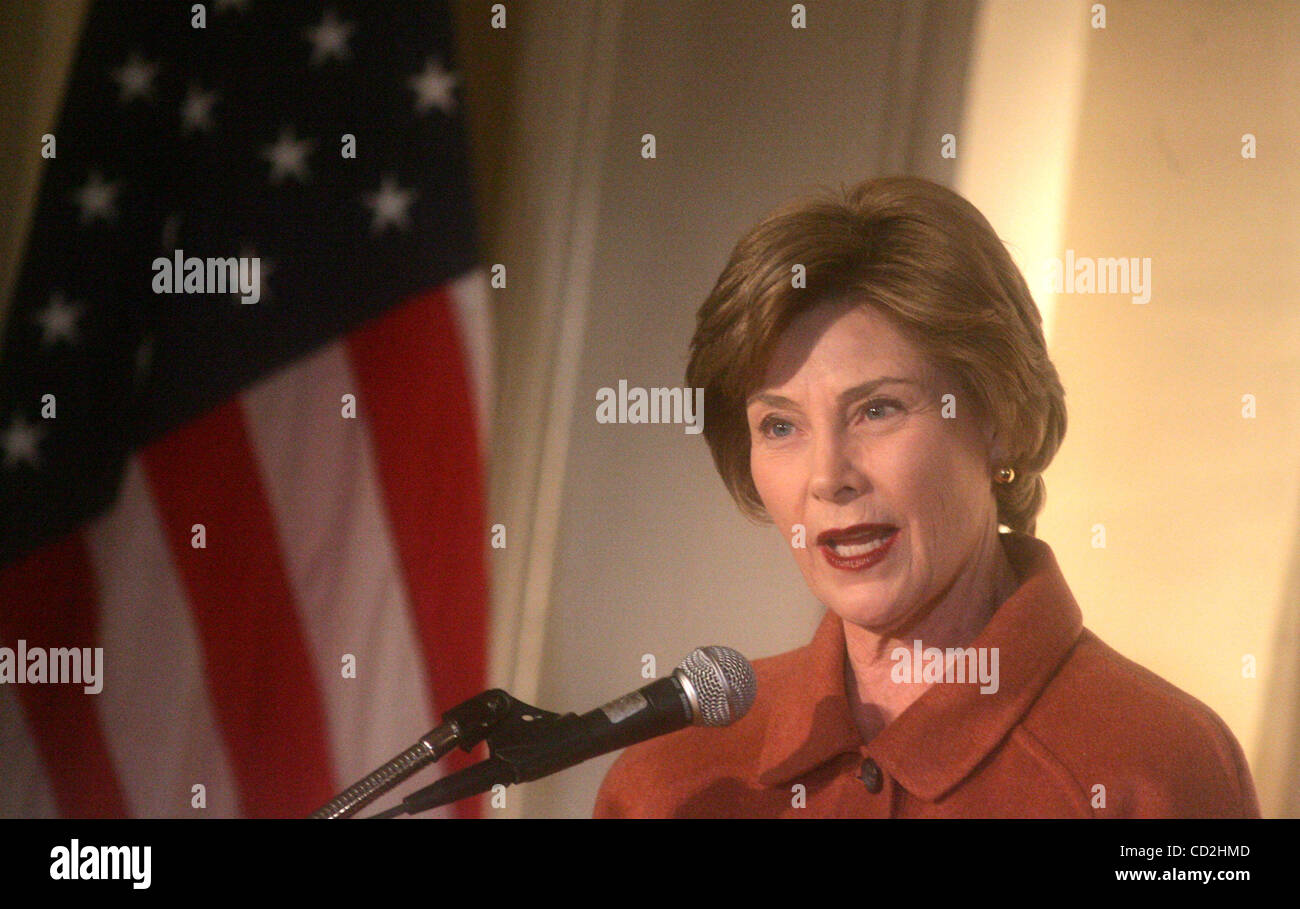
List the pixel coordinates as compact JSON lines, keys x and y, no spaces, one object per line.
{"x":996,"y":446}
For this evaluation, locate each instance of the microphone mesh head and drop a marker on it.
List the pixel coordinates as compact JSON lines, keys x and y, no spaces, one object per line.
{"x":724,"y":683}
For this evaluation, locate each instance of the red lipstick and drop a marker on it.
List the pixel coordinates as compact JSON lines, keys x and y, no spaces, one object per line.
{"x":857,"y":548}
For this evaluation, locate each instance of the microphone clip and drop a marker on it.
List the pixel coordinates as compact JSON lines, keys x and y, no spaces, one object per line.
{"x":497,"y":717}
{"x":518,"y":736}
{"x":493,"y":715}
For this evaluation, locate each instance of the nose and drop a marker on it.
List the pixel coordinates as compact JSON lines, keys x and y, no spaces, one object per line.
{"x":835,"y":476}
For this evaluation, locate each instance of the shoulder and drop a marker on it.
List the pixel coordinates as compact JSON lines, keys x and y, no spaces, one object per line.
{"x":1154,"y":750}
{"x":662,"y":777}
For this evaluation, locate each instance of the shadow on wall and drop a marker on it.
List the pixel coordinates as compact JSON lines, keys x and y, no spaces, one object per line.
{"x":1279,"y":763}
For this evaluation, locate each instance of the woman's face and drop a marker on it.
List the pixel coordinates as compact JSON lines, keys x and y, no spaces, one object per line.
{"x":848,"y":438}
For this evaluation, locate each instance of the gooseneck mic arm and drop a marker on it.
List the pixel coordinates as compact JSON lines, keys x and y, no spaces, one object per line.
{"x":463,"y":726}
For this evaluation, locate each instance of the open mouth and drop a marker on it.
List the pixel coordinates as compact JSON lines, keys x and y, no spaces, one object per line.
{"x":857,"y":547}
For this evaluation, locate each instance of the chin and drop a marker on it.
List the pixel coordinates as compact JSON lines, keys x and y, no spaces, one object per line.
{"x":865,"y":613}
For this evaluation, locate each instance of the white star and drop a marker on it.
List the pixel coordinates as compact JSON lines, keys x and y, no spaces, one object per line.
{"x":21,"y":442}
{"x":58,"y":320}
{"x":329,"y":39}
{"x":390,"y":205}
{"x":97,"y":199}
{"x":135,"y":78}
{"x":433,"y":87}
{"x":288,"y":157}
{"x":196,"y":112}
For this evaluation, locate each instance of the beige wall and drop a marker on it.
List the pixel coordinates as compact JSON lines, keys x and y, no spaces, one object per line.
{"x":1199,"y":504}
{"x":1125,"y":140}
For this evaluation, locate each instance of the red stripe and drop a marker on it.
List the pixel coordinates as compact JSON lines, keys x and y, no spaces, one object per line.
{"x":415,"y":395}
{"x":50,"y":601}
{"x":260,"y":680}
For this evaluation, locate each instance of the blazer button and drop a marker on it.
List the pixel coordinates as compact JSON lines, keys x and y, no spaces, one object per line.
{"x":871,"y":776}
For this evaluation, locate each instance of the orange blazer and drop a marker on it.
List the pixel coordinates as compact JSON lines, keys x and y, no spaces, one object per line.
{"x":1074,"y":729}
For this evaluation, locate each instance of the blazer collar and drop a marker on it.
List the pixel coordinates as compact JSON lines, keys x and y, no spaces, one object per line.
{"x":942,"y":736}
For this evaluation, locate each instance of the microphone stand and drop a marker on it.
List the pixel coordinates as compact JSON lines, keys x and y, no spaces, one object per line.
{"x":518,"y":752}
{"x":463,"y":726}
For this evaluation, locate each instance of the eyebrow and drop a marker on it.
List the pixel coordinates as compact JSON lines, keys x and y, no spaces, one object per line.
{"x":846,"y":396}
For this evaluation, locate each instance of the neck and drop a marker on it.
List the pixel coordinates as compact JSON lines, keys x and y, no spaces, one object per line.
{"x":955,"y":621}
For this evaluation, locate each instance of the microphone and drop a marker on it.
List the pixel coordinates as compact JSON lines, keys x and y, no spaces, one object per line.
{"x":713,"y":686}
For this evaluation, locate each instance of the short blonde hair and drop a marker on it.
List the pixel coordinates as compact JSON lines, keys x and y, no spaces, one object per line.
{"x":926,"y":258}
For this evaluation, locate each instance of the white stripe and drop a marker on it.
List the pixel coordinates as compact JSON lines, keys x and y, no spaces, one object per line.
{"x":318,"y":469}
{"x":154,"y":709}
{"x":473,"y":300}
{"x":26,"y":791}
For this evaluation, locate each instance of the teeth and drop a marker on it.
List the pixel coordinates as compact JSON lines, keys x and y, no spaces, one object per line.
{"x":852,"y":550}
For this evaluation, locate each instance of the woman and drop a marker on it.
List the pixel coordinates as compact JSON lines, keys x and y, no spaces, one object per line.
{"x":877,"y":384}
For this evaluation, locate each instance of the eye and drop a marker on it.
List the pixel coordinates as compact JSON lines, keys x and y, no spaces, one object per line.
{"x":881,"y":408}
{"x":775,"y":428}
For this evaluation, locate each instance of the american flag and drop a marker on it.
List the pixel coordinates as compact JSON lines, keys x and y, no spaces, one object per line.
{"x":268,"y":514}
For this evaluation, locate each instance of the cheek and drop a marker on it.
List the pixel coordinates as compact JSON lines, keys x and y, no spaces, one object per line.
{"x":938,"y":478}
{"x":951,"y":486}
{"x":760,"y":469}
{"x":777,"y":485}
